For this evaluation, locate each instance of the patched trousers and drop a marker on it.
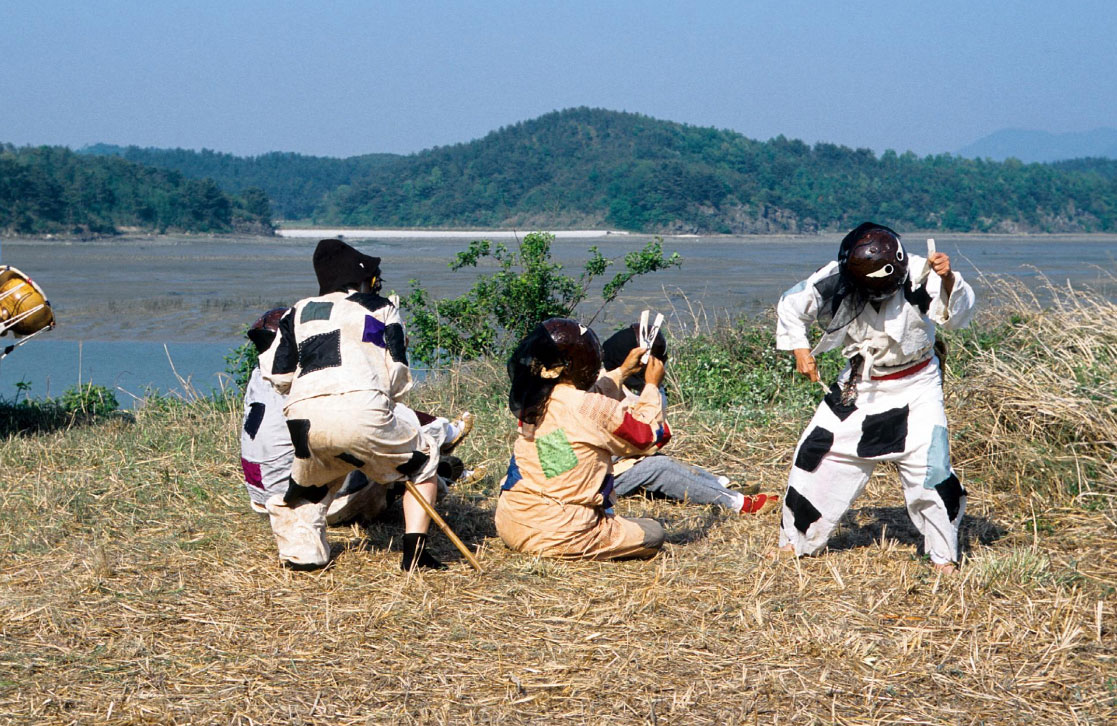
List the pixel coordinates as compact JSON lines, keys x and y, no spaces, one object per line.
{"x":900,"y":420}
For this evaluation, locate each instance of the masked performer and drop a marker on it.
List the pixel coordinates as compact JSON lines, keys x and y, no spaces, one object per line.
{"x":340,"y":360}
{"x":879,"y":306}
{"x":653,"y":471}
{"x":557,"y":498}
{"x":267,"y":452}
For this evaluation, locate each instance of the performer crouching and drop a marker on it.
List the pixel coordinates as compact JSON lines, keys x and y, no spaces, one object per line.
{"x":880,"y":307}
{"x":557,"y":497}
{"x":340,"y":359}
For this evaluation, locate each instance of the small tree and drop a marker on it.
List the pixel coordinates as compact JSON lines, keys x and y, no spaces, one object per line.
{"x":503,"y":306}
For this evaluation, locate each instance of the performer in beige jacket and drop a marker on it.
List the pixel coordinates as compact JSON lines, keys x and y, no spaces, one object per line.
{"x":557,"y":497}
{"x":340,"y":359}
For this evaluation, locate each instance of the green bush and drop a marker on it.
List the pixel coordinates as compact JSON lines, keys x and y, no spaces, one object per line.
{"x":502,"y":307}
{"x":240,"y":361}
{"x":737,"y":368}
{"x":83,"y":403}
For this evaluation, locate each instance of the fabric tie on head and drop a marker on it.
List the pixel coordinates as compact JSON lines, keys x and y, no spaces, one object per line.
{"x":555,"y":350}
{"x":340,"y":267}
{"x":263,"y":331}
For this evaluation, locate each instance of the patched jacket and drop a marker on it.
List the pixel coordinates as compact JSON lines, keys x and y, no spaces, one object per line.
{"x":560,"y":476}
{"x":901,"y":333}
{"x":338,"y":343}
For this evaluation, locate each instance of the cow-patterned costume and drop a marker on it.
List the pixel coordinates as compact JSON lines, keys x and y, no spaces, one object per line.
{"x":267,"y":454}
{"x":897,"y":415}
{"x":340,"y":360}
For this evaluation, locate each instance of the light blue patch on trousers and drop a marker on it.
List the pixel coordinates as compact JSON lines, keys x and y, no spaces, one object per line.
{"x":938,"y":458}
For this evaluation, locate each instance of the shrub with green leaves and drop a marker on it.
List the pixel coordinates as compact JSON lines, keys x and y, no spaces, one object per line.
{"x":737,"y":368}
{"x":528,"y":287}
{"x":240,"y":361}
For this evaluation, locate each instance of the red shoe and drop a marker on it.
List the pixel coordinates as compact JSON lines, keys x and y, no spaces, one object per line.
{"x":759,"y":503}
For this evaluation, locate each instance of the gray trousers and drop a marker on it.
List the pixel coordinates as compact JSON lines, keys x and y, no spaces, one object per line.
{"x":673,"y":479}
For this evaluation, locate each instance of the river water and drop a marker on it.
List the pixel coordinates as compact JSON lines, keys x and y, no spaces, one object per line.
{"x":122,"y":299}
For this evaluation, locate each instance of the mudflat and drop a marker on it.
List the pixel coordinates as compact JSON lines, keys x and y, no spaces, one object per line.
{"x":181,"y":288}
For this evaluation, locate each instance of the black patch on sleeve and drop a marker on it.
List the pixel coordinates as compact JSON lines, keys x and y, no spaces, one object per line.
{"x":818,"y":442}
{"x":827,"y":287}
{"x":350,"y":459}
{"x":804,"y":512}
{"x":368,"y":300}
{"x":883,"y":433}
{"x":300,"y":436}
{"x":951,"y":492}
{"x":320,"y":351}
{"x":297,"y":492}
{"x":917,"y":297}
{"x":417,"y":461}
{"x":287,"y":351}
{"x":397,"y":345}
{"x":254,"y":418}
{"x":834,"y":401}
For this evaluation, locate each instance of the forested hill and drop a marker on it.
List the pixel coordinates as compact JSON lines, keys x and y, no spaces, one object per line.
{"x":593,"y":167}
{"x":53,"y":190}
{"x":295,"y":184}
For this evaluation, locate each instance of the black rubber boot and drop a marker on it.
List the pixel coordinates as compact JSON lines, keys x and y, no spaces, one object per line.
{"x":415,"y":554}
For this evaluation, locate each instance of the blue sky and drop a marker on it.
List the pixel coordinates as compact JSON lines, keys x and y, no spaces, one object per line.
{"x":343,"y":78}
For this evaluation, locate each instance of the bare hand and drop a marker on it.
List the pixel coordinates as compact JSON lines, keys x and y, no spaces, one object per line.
{"x":940,"y":263}
{"x":805,"y":363}
{"x":632,"y":364}
{"x":654,"y":371}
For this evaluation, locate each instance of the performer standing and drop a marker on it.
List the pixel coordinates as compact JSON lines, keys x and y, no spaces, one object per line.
{"x":879,"y":306}
{"x":340,"y":359}
{"x":557,"y":498}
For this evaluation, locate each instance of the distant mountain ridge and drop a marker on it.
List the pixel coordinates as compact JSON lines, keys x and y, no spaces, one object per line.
{"x":593,"y":167}
{"x":1042,"y":146}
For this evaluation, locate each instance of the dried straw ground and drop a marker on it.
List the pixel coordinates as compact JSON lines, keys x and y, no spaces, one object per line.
{"x":135,"y":586}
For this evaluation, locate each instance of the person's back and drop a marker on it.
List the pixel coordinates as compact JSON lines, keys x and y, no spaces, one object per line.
{"x":557,"y":498}
{"x":323,"y":348}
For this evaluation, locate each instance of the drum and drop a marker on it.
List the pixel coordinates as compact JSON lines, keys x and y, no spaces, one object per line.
{"x":24,"y":308}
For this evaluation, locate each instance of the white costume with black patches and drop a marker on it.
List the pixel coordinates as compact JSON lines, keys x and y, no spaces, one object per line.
{"x":340,"y":359}
{"x":897,"y":416}
{"x":265,"y":443}
{"x":267,"y":454}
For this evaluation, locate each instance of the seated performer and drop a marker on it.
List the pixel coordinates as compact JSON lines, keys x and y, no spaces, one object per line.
{"x":653,"y":471}
{"x":557,"y":498}
{"x":267,"y":452}
{"x":340,"y":360}
{"x":879,"y":306}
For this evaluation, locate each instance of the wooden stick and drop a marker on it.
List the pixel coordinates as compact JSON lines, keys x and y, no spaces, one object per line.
{"x":437,"y":518}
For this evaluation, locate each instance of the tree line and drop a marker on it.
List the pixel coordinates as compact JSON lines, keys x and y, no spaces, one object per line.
{"x":296,"y":184}
{"x":50,"y":189}
{"x":592,"y":167}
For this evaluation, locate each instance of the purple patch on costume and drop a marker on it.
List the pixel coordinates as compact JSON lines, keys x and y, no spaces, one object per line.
{"x":374,"y":331}
{"x":252,"y":475}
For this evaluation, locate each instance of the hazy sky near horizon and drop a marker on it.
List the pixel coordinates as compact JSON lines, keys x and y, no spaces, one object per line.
{"x":351,"y":77}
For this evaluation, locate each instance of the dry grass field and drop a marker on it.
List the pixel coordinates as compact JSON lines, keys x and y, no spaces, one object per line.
{"x":137,"y":587}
